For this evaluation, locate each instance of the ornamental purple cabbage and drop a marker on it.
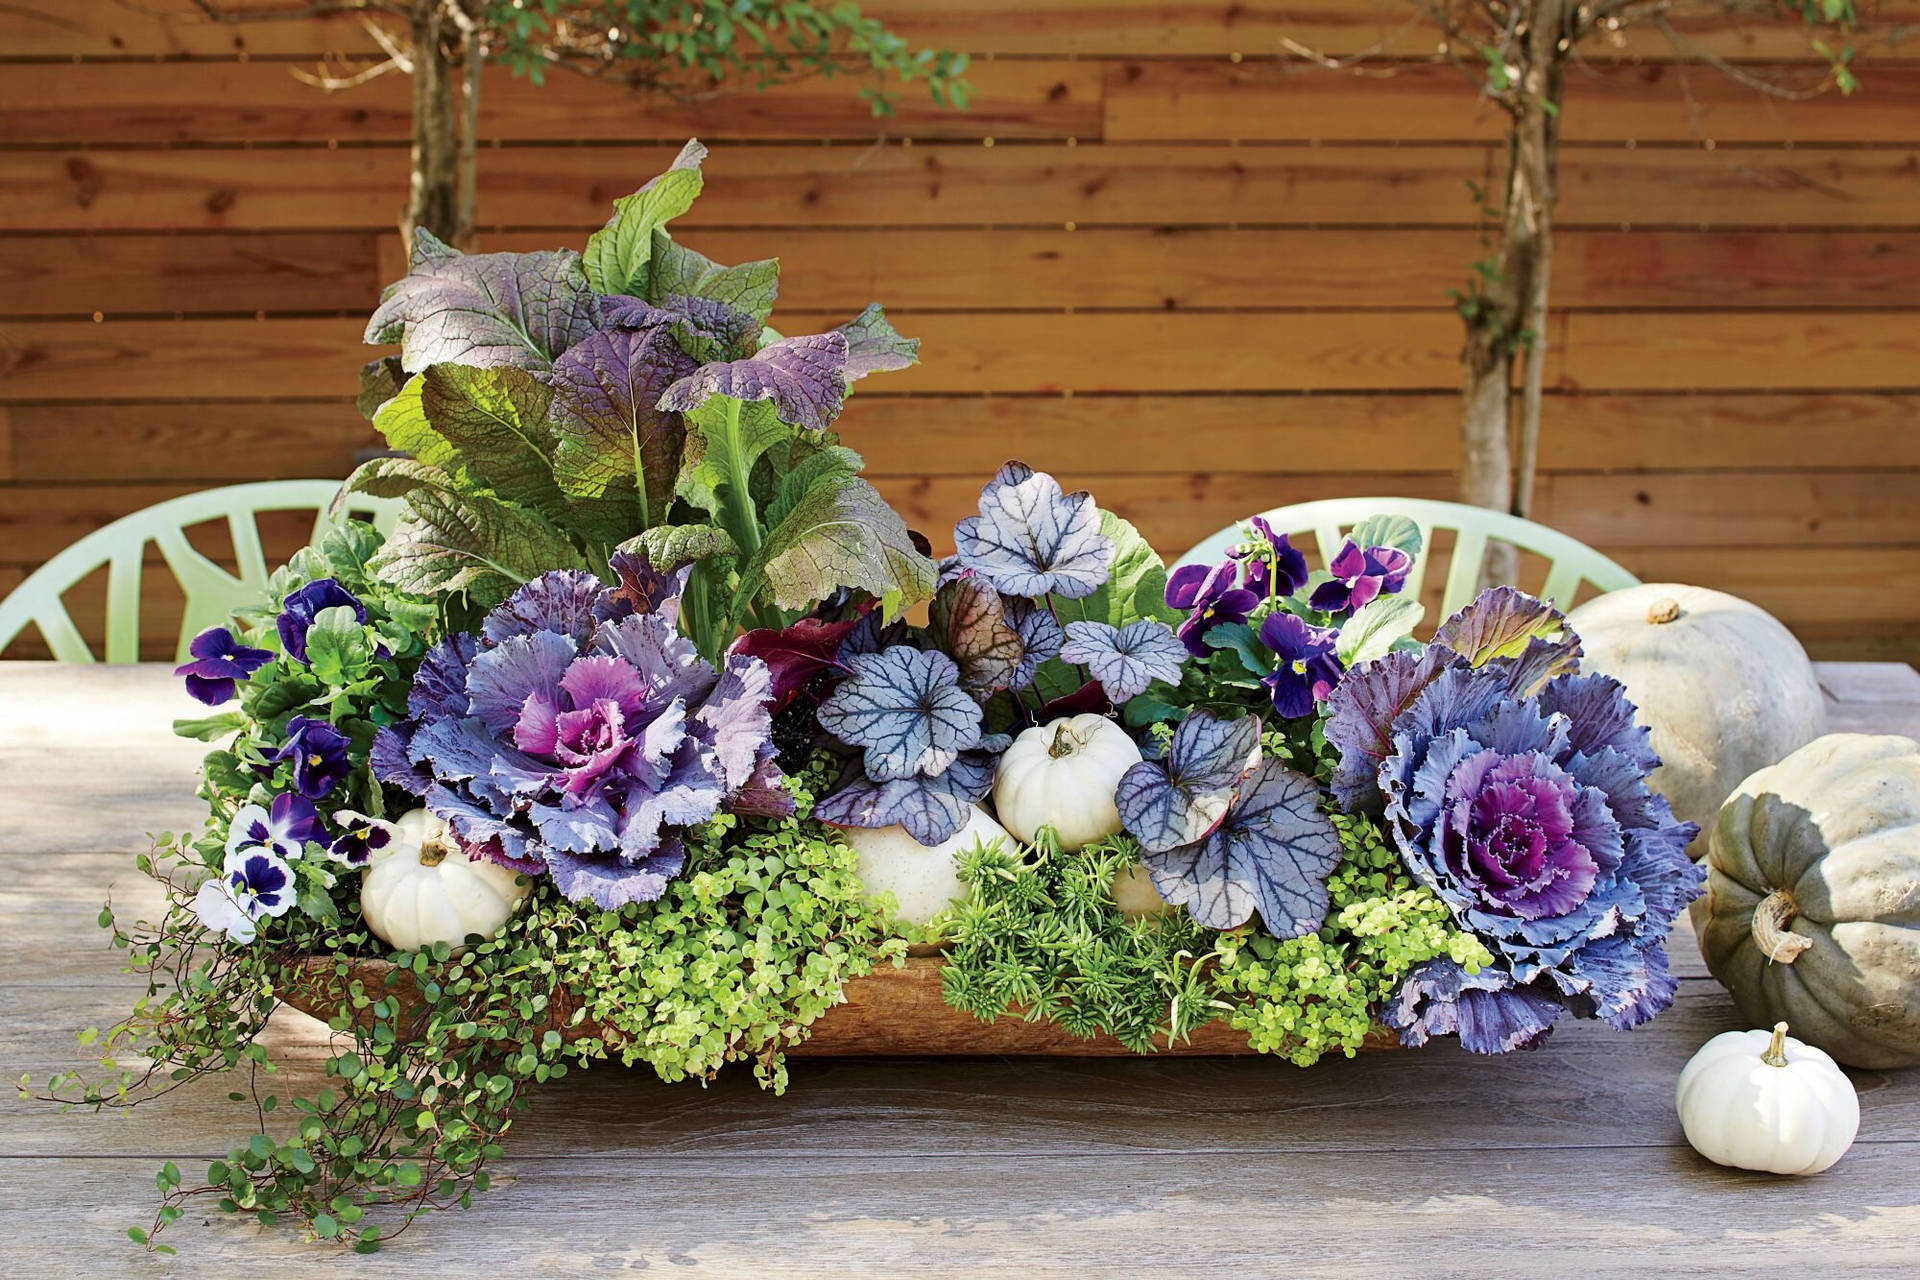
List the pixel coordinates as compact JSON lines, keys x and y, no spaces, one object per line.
{"x":579,"y":738}
{"x":1531,"y":818}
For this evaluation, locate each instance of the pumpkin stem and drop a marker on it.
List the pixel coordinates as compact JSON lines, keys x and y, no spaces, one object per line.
{"x":1776,"y":1054}
{"x":432,"y":853}
{"x":1664,"y":610}
{"x":1063,"y":742}
{"x":1770,"y":932}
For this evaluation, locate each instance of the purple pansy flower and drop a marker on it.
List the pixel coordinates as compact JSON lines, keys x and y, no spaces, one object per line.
{"x":1361,"y":576}
{"x":299,"y":609}
{"x":219,"y":663}
{"x":1278,"y":569}
{"x":283,"y":828}
{"x":1308,"y":667}
{"x":359,"y":839}
{"x":1211,"y":599}
{"x":319,"y":755}
{"x":253,"y":883}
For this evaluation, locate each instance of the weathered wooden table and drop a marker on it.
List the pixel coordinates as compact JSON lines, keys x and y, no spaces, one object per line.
{"x":1559,"y":1162}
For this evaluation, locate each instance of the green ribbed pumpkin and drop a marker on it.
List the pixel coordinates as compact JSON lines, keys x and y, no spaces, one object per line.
{"x":1812,"y":909}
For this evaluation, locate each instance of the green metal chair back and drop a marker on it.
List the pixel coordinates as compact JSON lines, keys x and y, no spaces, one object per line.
{"x":212,"y":593}
{"x":1570,"y":562}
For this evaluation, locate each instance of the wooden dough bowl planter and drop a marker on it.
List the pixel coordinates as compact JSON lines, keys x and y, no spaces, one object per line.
{"x":889,"y":1013}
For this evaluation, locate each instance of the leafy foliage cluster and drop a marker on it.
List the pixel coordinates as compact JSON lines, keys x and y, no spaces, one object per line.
{"x":733,"y":964}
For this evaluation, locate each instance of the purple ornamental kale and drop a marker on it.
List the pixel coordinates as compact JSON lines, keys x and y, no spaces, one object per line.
{"x":1309,"y":668}
{"x":1359,"y":577}
{"x":579,"y":738}
{"x":219,"y":663}
{"x":1276,"y":569}
{"x":300,"y":608}
{"x":1210,"y":599}
{"x":1532,"y":820}
{"x":319,"y":755}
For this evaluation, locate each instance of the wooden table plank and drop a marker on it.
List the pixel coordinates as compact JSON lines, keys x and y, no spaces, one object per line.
{"x":1564,"y":1161}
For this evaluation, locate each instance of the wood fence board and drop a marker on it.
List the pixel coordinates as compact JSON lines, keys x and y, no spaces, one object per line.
{"x":1027,"y":185}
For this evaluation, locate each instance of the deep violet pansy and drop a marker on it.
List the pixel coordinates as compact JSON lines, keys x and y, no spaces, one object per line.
{"x":219,"y":663}
{"x":300,"y":608}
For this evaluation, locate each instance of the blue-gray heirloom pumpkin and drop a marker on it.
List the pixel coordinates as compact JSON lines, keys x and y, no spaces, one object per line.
{"x":1812,"y":909}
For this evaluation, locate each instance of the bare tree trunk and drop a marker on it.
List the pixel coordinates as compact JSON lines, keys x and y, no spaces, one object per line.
{"x":1540,"y":149}
{"x":433,"y":194}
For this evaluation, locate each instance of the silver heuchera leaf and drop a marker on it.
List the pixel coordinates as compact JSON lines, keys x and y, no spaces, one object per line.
{"x":1039,"y":633}
{"x":1030,"y":539}
{"x":1272,"y":854}
{"x":873,"y":346}
{"x":906,"y":707}
{"x":931,"y":810}
{"x":485,"y":309}
{"x":805,"y":378}
{"x":1168,"y":804}
{"x":1125,"y":660}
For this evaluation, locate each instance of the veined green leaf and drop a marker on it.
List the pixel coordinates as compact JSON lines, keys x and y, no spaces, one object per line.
{"x":1372,"y":631}
{"x":496,"y":422}
{"x":841,"y":533}
{"x":673,"y":544}
{"x":448,"y":541}
{"x":1385,"y":531}
{"x":1136,"y":589}
{"x":751,"y":287}
{"x":832,"y":460}
{"x":725,"y":437}
{"x":402,"y":419}
{"x":619,"y":254}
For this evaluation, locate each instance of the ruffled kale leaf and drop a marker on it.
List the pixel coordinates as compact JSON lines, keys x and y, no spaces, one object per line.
{"x":932,"y":810}
{"x":804,"y":378}
{"x":906,"y":707}
{"x":968,"y":621}
{"x":1030,"y":539}
{"x":1136,"y":588}
{"x":485,"y":309}
{"x":620,"y":254}
{"x":841,"y":533}
{"x":874,"y":346}
{"x":1125,"y":660}
{"x":1272,"y":853}
{"x":1360,"y":715}
{"x":613,"y":442}
{"x":1502,"y":623}
{"x":1166,"y":805}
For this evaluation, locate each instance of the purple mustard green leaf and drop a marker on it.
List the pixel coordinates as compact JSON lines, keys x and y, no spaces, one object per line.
{"x":707,"y":329}
{"x":841,"y":533}
{"x":1271,"y":854}
{"x":749,"y":289}
{"x":873,"y":345}
{"x":1361,"y":712}
{"x":804,"y":378}
{"x":1175,"y":802}
{"x":494,"y":426}
{"x":485,"y":309}
{"x":620,"y":254}
{"x":380,"y":381}
{"x":932,"y":810}
{"x":1040,"y":637}
{"x":968,"y":621}
{"x":906,"y":707}
{"x":450,"y":541}
{"x":1125,"y":660}
{"x":1030,"y":539}
{"x":1500,"y":623}
{"x":613,"y":441}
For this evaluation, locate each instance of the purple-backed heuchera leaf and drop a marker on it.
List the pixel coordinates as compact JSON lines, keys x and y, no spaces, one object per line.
{"x":1501,"y":623}
{"x":795,"y":654}
{"x":1040,"y":637}
{"x":1485,"y":1009}
{"x":485,"y":309}
{"x":1125,"y":660}
{"x":578,"y":737}
{"x":1030,"y":539}
{"x":931,"y":810}
{"x":1360,"y":577}
{"x":873,"y":346}
{"x":1210,"y":599}
{"x":1175,"y":802}
{"x":1309,"y":668}
{"x":968,"y":620}
{"x":803,"y":377}
{"x":219,"y":663}
{"x":612,"y":438}
{"x":1531,"y":819}
{"x":906,"y":707}
{"x":1271,"y":853}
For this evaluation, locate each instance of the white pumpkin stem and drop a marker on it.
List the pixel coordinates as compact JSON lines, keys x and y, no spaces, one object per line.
{"x":1664,"y":610}
{"x":1063,"y":744}
{"x":1770,"y":933}
{"x":1776,"y":1054}
{"x":433,"y":853}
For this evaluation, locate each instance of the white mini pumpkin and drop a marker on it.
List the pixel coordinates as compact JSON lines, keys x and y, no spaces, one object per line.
{"x":1759,"y":1100}
{"x":1063,"y":775}
{"x":1723,"y":687}
{"x":422,"y":888}
{"x":921,"y":878}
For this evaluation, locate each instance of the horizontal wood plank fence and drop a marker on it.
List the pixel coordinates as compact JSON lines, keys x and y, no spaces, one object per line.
{"x":1161,"y":257}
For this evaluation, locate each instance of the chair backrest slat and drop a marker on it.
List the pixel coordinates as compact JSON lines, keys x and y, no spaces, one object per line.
{"x":212,"y":593}
{"x":1570,"y":562}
